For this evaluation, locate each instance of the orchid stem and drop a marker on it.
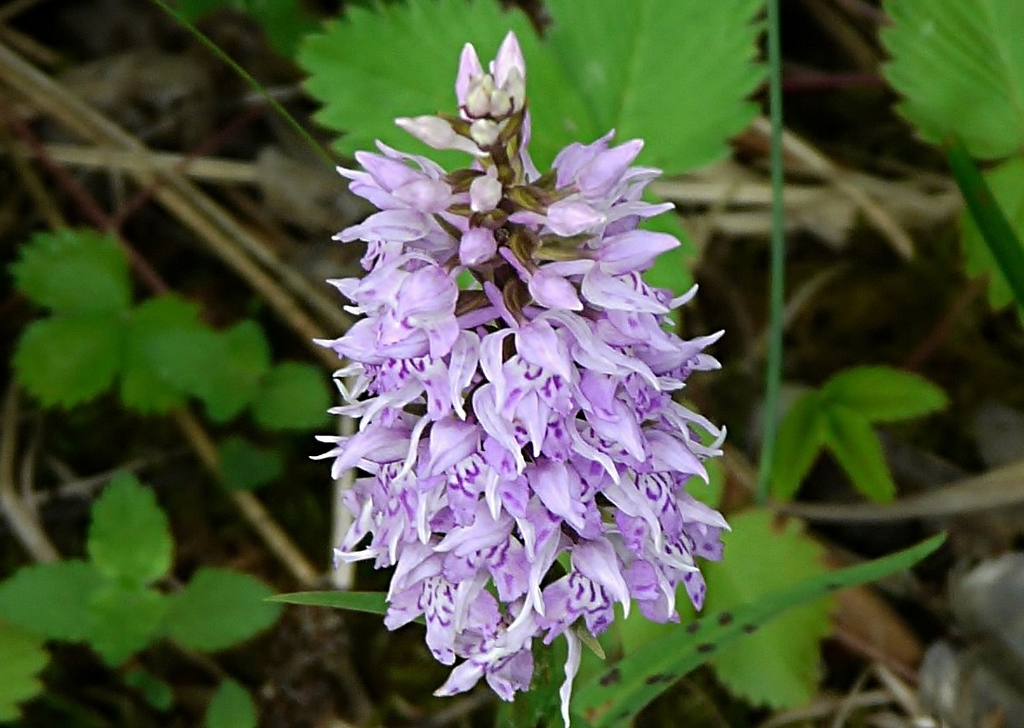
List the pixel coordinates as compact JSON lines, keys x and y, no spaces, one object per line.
{"x":773,"y":375}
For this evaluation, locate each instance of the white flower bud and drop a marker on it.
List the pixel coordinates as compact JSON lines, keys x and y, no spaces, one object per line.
{"x":484,"y":193}
{"x":478,"y":99}
{"x":515,"y":87}
{"x":437,"y":133}
{"x":485,"y":131}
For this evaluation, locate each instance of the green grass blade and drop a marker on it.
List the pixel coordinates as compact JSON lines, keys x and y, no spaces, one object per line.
{"x":996,"y":230}
{"x":252,"y":82}
{"x":614,"y":697}
{"x":370,"y":602}
{"x":776,"y":302}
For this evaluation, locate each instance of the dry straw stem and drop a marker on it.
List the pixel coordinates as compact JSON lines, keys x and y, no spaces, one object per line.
{"x":276,"y":539}
{"x":998,"y":488}
{"x":204,"y":169}
{"x":225,"y":236}
{"x":37,"y":190}
{"x":22,"y":521}
{"x":814,"y":162}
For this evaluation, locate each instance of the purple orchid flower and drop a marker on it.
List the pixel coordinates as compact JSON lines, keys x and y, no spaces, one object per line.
{"x":525,"y":462}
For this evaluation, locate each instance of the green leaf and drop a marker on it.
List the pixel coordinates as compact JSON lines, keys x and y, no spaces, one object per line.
{"x":370,"y":602}
{"x":778,"y":665}
{"x":855,"y":445}
{"x":960,"y":68}
{"x":671,"y":269}
{"x":242,"y":360}
{"x":50,"y":599}
{"x":244,"y":466}
{"x":801,"y":437}
{"x":124,"y":620}
{"x":65,"y":359}
{"x":676,"y":73}
{"x":129,"y":537}
{"x":613,"y":697}
{"x":231,"y":707}
{"x":294,"y":396}
{"x":157,"y":692}
{"x":218,"y":609}
{"x":74,"y":271}
{"x":24,"y":657}
{"x":152,"y":364}
{"x":375,"y":65}
{"x":883,"y":394}
{"x":285,"y":22}
{"x":648,"y":77}
{"x":530,"y":707}
{"x":1006,"y":182}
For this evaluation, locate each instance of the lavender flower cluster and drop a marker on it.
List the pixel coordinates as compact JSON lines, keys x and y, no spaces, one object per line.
{"x":526,"y":461}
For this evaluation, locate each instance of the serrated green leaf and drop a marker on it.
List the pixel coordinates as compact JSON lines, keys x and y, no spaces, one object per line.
{"x":124,"y":620}
{"x":65,"y":359}
{"x":856,"y":447}
{"x":184,"y":356}
{"x":676,"y":73}
{"x":671,"y":269}
{"x":146,"y":385}
{"x":157,"y":692}
{"x":1007,"y":184}
{"x":616,"y":695}
{"x":801,"y":437}
{"x":50,"y":599}
{"x":24,"y":657}
{"x":242,"y":361}
{"x":959,"y":65}
{"x":883,"y":394}
{"x":129,"y":537}
{"x":231,"y":707}
{"x":244,"y":466}
{"x":375,"y":65}
{"x":293,"y":396}
{"x":778,"y":665}
{"x":649,"y":76}
{"x":74,"y":271}
{"x":218,"y":609}
{"x":285,"y":22}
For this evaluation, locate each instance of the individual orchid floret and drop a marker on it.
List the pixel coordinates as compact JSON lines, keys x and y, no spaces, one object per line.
{"x":523,"y":457}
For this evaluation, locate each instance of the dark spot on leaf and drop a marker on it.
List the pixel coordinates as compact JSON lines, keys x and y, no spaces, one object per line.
{"x":611,"y":677}
{"x":706,"y":647}
{"x":750,"y":628}
{"x":692,"y":627}
{"x":658,"y":677}
{"x":622,"y":715}
{"x":832,"y":586}
{"x":725,"y":618}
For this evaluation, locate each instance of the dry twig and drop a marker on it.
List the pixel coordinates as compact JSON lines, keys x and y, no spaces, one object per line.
{"x":24,"y":525}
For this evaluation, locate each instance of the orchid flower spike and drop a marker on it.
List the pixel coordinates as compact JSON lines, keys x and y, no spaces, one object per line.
{"x":523,"y":465}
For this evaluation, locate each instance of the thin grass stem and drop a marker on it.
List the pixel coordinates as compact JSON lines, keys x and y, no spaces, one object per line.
{"x":776,"y":302}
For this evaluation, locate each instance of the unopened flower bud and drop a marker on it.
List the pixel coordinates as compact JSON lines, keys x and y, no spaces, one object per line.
{"x":515,"y":87}
{"x":477,"y":246}
{"x":501,"y":104}
{"x":437,"y":133}
{"x":484,"y":193}
{"x":485,"y":131}
{"x":478,"y":98}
